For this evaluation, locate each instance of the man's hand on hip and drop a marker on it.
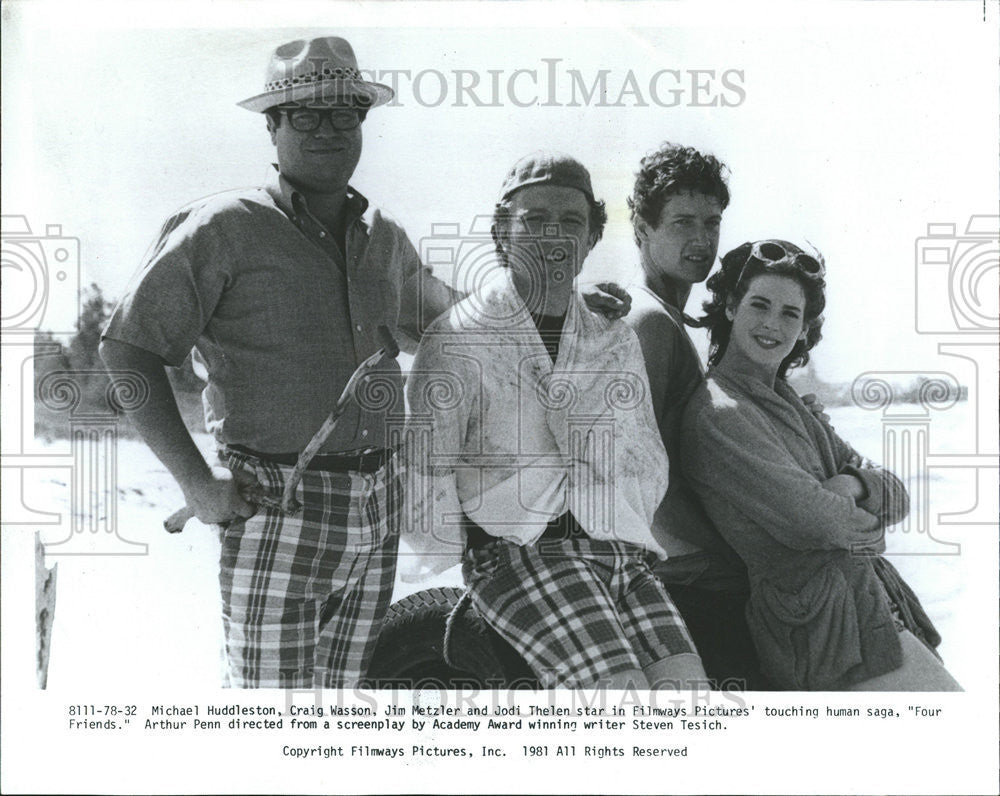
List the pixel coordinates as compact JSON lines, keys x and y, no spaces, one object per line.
{"x":211,"y":493}
{"x":217,"y":499}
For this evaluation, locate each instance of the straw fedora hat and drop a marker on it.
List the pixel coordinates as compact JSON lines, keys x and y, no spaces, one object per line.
{"x":318,"y":70}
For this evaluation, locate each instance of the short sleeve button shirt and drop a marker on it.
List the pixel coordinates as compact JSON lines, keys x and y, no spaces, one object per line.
{"x":277,"y":312}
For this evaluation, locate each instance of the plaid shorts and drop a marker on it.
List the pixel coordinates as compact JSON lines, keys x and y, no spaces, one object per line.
{"x":578,"y":610}
{"x":303,"y":597}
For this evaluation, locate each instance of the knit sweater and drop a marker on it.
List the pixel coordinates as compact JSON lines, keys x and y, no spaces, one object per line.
{"x":757,"y":457}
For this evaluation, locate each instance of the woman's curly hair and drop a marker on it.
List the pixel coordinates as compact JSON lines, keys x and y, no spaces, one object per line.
{"x":730,"y":284}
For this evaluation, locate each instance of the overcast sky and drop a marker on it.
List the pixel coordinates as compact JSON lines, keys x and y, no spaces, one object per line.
{"x":852,"y":129}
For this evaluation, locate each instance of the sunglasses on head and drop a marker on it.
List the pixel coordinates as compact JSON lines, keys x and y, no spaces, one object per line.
{"x":773,"y":251}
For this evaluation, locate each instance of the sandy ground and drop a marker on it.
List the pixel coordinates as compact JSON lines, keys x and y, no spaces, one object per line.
{"x":132,"y":620}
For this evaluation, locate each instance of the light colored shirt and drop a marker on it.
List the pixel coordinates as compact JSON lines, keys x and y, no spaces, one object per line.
{"x":499,"y":433}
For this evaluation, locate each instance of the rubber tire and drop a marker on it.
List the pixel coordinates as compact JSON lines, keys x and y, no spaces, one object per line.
{"x":410,"y":648}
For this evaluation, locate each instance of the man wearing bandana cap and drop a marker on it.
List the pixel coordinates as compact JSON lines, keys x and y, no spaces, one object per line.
{"x":534,"y":456}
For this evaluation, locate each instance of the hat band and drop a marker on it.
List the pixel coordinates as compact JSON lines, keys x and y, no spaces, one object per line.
{"x":335,"y":73}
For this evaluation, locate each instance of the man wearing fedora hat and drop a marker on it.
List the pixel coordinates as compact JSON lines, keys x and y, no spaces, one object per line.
{"x":280,"y":290}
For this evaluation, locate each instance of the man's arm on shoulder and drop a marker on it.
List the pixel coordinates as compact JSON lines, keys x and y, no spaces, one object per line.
{"x":608,"y":299}
{"x":213,"y":497}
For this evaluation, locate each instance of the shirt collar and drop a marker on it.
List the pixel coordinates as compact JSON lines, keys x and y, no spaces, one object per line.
{"x":292,"y":202}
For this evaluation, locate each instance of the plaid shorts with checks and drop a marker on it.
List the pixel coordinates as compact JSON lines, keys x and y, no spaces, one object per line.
{"x":578,"y":610}
{"x":304,"y":596}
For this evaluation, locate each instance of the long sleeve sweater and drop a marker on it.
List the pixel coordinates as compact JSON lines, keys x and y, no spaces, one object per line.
{"x":758,"y":458}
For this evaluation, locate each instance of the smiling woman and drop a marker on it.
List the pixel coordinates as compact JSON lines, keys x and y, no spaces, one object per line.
{"x":802,"y":509}
{"x":774,"y":325}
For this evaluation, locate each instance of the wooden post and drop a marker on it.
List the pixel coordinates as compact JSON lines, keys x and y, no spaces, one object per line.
{"x":45,"y":610}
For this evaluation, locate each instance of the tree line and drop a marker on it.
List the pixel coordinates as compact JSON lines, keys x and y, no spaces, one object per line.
{"x":77,"y":362}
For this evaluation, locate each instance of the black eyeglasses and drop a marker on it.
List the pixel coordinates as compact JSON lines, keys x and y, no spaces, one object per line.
{"x":306,"y":120}
{"x":772,"y":251}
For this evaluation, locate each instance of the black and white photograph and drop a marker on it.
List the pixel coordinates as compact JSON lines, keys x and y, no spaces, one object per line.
{"x":500,"y":397}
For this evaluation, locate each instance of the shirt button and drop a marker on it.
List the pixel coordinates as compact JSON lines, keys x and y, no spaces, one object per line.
{"x":364,"y":432}
{"x":358,"y":327}
{"x":322,"y":233}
